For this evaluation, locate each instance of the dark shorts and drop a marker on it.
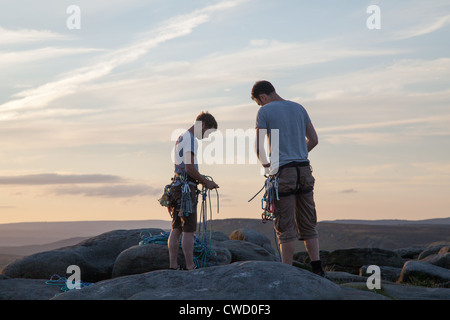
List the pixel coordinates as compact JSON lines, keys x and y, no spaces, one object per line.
{"x":187,"y":223}
{"x":295,"y":213}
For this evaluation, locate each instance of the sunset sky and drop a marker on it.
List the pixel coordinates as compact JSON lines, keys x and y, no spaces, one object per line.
{"x":89,"y":113}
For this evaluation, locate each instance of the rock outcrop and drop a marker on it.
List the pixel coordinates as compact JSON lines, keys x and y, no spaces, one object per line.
{"x":249,"y":280}
{"x":94,"y":256}
{"x":121,"y":265}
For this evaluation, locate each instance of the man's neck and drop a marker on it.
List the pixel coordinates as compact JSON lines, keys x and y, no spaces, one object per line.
{"x":192,"y":131}
{"x":274,"y":97}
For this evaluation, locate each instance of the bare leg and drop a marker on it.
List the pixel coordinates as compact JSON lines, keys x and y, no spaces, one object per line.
{"x":312,"y":247}
{"x":287,"y":252}
{"x":187,"y":244}
{"x":173,"y":244}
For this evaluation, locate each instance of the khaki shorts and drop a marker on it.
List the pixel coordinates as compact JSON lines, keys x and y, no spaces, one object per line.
{"x":296,"y":213}
{"x":185,"y":223}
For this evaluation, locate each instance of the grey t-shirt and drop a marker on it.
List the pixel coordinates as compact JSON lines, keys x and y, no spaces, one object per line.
{"x":285,"y":122}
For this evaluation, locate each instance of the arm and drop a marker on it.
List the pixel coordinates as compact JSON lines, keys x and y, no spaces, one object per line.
{"x":311,"y":136}
{"x":259,"y":146}
{"x":192,"y":171}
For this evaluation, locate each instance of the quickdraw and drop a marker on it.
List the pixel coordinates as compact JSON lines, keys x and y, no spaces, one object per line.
{"x":267,"y":201}
{"x":186,"y":206}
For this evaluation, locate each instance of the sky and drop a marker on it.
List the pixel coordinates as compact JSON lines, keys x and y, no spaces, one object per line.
{"x":94,"y":93}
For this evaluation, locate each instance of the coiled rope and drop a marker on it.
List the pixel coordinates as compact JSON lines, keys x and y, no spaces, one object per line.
{"x":56,"y":280}
{"x":203,"y":256}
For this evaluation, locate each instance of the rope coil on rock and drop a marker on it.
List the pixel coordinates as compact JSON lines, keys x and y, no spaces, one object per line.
{"x":56,"y":280}
{"x":203,"y":256}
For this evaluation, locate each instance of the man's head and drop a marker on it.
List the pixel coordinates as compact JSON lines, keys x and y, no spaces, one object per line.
{"x":262,"y":92}
{"x":208,"y":122}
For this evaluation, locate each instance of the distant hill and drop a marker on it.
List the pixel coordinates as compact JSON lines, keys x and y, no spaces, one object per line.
{"x":30,"y":249}
{"x":41,"y":233}
{"x":27,"y":238}
{"x":389,"y":234}
{"x":392,"y":222}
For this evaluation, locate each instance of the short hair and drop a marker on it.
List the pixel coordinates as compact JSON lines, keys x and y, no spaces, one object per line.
{"x":262,"y":87}
{"x":207,"y":118}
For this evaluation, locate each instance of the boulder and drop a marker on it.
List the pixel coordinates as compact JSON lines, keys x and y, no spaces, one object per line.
{"x":250,"y":280}
{"x":432,"y":249}
{"x":410,"y":252}
{"x":95,"y":257}
{"x":440,"y":259}
{"x":422,"y":272}
{"x":344,"y":277}
{"x":151,"y":257}
{"x":219,"y":236}
{"x":351,"y":260}
{"x":303,"y":257}
{"x":406,"y":292}
{"x":253,"y":236}
{"x":244,"y":251}
{"x":27,"y":289}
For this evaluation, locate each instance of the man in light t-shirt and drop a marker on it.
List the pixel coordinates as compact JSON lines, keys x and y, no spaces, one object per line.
{"x":295,"y":212}
{"x":186,"y":170}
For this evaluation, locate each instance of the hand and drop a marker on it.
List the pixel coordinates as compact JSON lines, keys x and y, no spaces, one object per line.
{"x":211,"y":185}
{"x":265,"y":171}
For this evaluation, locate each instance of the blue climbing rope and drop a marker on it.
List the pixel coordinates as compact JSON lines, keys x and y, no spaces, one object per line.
{"x":56,"y":280}
{"x":203,"y":256}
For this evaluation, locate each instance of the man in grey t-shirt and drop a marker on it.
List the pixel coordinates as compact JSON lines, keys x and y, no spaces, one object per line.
{"x":291,"y":137}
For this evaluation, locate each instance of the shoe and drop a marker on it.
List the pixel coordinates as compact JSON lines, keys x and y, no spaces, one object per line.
{"x":195,"y":267}
{"x":317,"y":268}
{"x":177,"y":268}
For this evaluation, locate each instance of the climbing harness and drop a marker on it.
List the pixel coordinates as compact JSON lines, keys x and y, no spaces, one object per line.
{"x":271,"y":193}
{"x":202,"y":242}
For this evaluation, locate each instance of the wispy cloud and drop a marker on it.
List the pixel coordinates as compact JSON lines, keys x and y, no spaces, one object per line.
{"x":173,"y":28}
{"x":22,"y":36}
{"x":383,"y":124}
{"x":108,"y":191}
{"x":349,"y":191}
{"x":54,"y":178}
{"x":423,"y":28}
{"x":88,"y":185}
{"x":381,"y":79}
{"x":12,"y":59}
